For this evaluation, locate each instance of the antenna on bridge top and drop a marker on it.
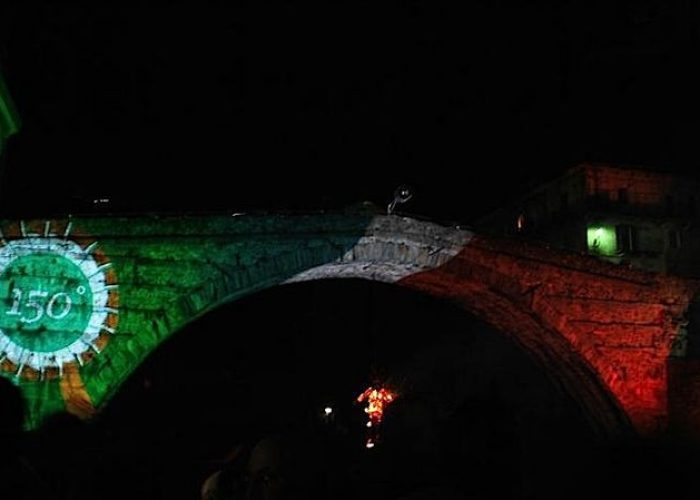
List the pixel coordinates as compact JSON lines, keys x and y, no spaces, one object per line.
{"x":402,"y":194}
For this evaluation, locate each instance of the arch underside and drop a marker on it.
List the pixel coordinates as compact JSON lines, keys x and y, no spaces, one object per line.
{"x":564,"y":366}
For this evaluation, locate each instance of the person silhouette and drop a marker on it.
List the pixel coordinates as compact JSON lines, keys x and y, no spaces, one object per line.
{"x":11,"y":413}
{"x":18,"y":477}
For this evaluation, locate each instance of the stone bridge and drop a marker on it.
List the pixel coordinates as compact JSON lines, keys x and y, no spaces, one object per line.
{"x":83,"y":301}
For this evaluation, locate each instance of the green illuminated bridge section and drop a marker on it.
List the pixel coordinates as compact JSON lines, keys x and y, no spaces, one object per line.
{"x":9,"y":119}
{"x":84,"y":301}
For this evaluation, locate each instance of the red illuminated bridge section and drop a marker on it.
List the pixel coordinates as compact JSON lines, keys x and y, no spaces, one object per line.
{"x":86,"y":300}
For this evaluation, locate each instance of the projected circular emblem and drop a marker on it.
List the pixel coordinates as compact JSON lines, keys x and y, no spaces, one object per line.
{"x":55,"y":301}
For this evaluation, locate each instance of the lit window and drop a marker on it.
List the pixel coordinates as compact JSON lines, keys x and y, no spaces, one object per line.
{"x":602,"y":239}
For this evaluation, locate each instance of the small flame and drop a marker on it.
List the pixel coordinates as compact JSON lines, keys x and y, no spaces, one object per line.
{"x":377,"y":401}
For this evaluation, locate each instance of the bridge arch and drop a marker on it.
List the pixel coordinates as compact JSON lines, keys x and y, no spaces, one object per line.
{"x":407,"y":255}
{"x":604,"y":332}
{"x":285,"y":369}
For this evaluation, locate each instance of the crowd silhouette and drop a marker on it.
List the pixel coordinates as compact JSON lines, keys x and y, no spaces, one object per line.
{"x":475,"y":453}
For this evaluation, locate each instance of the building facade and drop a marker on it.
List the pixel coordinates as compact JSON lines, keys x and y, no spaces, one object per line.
{"x":625,"y":215}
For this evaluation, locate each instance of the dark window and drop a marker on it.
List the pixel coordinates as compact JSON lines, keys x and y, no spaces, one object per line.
{"x":622,"y":195}
{"x":563,"y":201}
{"x":670,"y":205}
{"x":626,"y":238}
{"x":674,"y":238}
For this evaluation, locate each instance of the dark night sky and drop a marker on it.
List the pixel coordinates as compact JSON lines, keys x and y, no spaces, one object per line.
{"x":328,"y":104}
{"x":319,"y":106}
